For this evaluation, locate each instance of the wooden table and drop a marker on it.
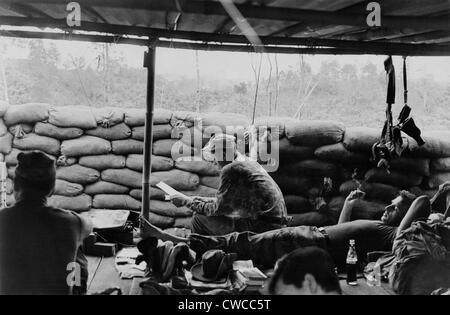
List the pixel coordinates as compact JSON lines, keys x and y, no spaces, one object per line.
{"x":363,"y":289}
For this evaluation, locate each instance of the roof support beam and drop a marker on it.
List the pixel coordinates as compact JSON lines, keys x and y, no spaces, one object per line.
{"x":437,"y":36}
{"x":407,"y":36}
{"x":213,"y":47}
{"x":376,"y":34}
{"x":368,"y":47}
{"x":266,"y":13}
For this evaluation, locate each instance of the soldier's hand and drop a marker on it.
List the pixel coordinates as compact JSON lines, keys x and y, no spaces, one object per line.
{"x":355,"y":196}
{"x":180,"y":201}
{"x":445,"y":187}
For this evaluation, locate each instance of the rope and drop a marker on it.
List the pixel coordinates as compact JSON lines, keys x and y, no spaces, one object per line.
{"x":106,"y":69}
{"x":81,"y":81}
{"x":405,"y":80}
{"x":258,"y":79}
{"x":5,"y":82}
{"x":242,"y":23}
{"x":269,"y":81}
{"x":251,"y":35}
{"x":277,"y":89}
{"x":95,"y":273}
{"x":198,"y":81}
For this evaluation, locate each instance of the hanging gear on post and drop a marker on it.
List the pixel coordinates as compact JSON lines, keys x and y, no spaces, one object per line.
{"x":406,"y":123}
{"x":389,"y":144}
{"x":392,"y":145}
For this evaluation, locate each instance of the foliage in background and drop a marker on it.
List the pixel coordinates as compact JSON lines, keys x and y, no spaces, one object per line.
{"x":337,"y":92}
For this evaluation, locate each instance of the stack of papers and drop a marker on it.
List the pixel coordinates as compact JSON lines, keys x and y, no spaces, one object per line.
{"x":252,"y":277}
{"x":195,"y":284}
{"x":126,"y":264}
{"x":249,"y":275}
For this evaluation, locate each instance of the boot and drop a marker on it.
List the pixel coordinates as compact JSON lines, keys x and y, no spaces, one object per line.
{"x":404,"y":114}
{"x":410,"y":128}
{"x":146,"y":248}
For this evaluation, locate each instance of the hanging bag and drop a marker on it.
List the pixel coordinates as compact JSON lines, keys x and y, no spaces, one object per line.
{"x":392,"y":145}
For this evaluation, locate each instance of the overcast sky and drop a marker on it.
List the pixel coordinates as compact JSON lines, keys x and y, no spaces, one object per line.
{"x":233,"y":66}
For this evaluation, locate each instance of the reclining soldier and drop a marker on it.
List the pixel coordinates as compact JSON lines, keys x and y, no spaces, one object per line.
{"x":266,"y":248}
{"x":248,"y":199}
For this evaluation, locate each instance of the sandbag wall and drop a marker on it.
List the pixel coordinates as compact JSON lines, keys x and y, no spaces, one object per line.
{"x":99,"y":155}
{"x":312,"y":150}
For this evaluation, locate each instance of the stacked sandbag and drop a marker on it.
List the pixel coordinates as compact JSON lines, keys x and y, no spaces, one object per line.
{"x":395,"y":178}
{"x":294,"y":143}
{"x":49,"y":130}
{"x":80,"y":203}
{"x":195,"y":130}
{"x":437,"y":145}
{"x":313,"y":150}
{"x":3,"y":108}
{"x":361,"y":139}
{"x":6,"y":143}
{"x":309,"y":151}
{"x":3,"y":128}
{"x":420,"y":170}
{"x":297,"y":204}
{"x":79,"y":139}
{"x":374,"y":191}
{"x":99,"y":158}
{"x":26,"y":114}
{"x":314,"y":133}
{"x":32,"y":142}
{"x":6,"y":148}
{"x":365,"y":210}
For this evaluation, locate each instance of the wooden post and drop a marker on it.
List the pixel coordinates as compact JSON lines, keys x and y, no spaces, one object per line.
{"x":149,"y":63}
{"x":3,"y":176}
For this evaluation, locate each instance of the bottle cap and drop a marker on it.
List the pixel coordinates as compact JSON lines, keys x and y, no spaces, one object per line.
{"x":352,"y":242}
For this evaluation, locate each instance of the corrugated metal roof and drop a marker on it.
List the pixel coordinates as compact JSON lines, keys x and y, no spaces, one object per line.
{"x":328,"y":23}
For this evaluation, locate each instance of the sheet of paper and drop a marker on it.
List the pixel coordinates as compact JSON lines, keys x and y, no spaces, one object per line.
{"x":169,"y":190}
{"x":242,"y":264}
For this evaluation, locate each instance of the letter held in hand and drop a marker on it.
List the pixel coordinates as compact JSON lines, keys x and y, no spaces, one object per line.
{"x":169,"y":190}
